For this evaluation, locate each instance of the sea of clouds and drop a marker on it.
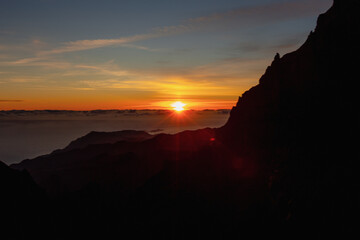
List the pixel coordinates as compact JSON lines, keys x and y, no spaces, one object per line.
{"x":28,"y":134}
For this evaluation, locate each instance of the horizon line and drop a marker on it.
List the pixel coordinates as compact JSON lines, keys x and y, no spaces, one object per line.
{"x":127,"y":109}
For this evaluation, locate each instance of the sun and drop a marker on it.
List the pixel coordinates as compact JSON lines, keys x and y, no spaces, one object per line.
{"x":178,"y":106}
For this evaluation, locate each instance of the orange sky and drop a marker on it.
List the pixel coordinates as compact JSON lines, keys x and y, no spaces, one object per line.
{"x":133,"y":55}
{"x":78,"y":103}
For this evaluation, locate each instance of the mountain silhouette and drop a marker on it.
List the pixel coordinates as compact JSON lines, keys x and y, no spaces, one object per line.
{"x":283,"y":166}
{"x":93,"y":138}
{"x":125,"y":163}
{"x":23,"y":205}
{"x":301,"y":122}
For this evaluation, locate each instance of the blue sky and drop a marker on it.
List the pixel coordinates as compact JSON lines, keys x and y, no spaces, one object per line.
{"x":73,"y":54}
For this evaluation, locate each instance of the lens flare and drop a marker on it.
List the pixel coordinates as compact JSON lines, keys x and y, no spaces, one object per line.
{"x":178,"y":106}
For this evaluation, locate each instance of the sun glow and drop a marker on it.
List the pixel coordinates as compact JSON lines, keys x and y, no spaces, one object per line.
{"x":178,"y":106}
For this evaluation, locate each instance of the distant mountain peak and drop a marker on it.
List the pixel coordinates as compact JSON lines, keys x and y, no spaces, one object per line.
{"x":94,"y":137}
{"x":320,"y":67}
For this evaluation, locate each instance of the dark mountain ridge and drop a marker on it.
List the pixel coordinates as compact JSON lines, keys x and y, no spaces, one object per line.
{"x":302,"y":120}
{"x":282,"y":167}
{"x":124,"y":161}
{"x":93,"y":138}
{"x":22,"y":203}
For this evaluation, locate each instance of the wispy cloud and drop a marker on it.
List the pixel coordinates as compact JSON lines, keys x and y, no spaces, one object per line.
{"x":139,"y":47}
{"x":26,"y":79}
{"x":6,"y":32}
{"x":270,"y":12}
{"x":220,"y":78}
{"x":10,"y":100}
{"x":81,"y":45}
{"x":175,"y":79}
{"x":245,"y":15}
{"x":29,"y":46}
{"x":281,"y":46}
{"x":38,"y":62}
{"x":106,"y":70}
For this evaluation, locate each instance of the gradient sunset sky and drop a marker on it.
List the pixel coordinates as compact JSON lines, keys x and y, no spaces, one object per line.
{"x":142,"y":54}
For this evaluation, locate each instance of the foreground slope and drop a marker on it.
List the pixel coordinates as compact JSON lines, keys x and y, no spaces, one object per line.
{"x":22,"y":205}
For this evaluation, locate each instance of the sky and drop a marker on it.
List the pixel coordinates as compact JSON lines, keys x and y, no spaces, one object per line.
{"x":141,"y":54}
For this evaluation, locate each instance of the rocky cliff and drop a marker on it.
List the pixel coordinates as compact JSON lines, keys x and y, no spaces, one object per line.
{"x":302,"y":120}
